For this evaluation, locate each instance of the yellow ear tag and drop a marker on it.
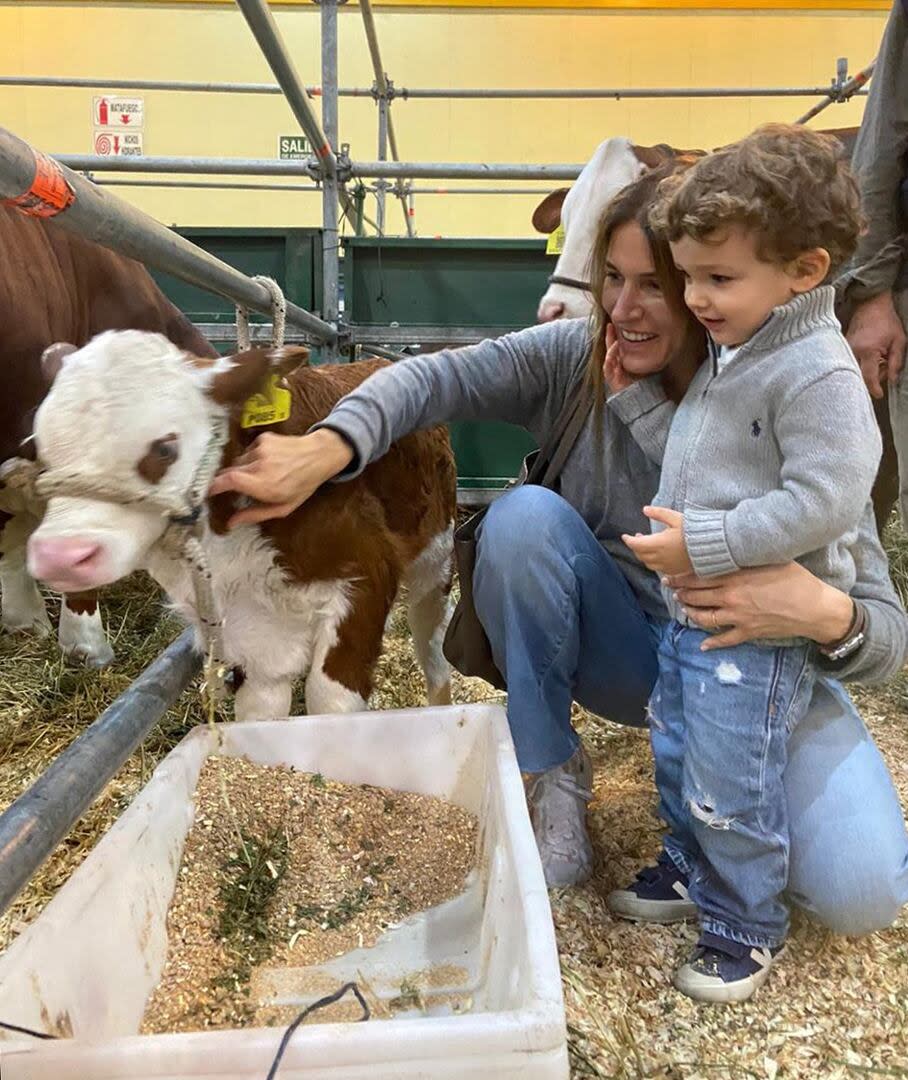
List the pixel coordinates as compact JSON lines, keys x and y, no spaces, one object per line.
{"x":555,"y":243}
{"x":271,"y":407}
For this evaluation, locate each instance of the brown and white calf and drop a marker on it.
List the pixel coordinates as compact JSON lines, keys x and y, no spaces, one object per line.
{"x":56,"y":286}
{"x":307,"y":593}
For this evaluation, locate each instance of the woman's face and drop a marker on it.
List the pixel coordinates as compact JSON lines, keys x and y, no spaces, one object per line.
{"x":647,"y":328}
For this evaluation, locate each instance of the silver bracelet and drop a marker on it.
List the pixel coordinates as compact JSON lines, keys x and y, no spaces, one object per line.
{"x":852,"y":640}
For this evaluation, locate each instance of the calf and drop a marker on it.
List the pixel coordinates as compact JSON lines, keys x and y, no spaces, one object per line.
{"x":615,"y":163}
{"x":55,"y":286}
{"x":307,"y":593}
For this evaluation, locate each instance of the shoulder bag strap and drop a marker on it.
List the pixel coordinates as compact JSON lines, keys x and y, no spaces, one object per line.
{"x":565,"y":432}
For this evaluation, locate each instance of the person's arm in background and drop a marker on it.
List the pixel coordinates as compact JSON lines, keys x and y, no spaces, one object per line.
{"x":875,"y":331}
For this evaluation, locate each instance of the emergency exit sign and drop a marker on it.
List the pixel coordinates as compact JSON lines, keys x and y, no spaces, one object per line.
{"x":293,"y":147}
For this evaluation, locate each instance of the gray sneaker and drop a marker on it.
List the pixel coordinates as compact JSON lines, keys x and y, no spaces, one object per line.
{"x":557,"y":802}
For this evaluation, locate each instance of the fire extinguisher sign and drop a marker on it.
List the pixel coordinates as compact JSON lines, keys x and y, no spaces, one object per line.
{"x":118,"y":123}
{"x":122,"y":113}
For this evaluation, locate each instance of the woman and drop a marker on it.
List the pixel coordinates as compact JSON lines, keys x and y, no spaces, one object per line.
{"x":571,"y":615}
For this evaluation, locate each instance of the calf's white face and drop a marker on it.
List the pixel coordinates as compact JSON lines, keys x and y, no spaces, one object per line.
{"x":128,"y":409}
{"x":612,"y":167}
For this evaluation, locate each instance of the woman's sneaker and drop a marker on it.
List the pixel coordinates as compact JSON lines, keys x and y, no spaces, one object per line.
{"x":557,"y":801}
{"x":724,"y":971}
{"x":658,"y":895}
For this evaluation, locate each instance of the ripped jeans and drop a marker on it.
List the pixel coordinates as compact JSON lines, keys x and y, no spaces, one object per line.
{"x":720,"y":723}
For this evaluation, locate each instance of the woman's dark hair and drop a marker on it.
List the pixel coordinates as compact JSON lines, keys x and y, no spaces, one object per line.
{"x":632,"y":205}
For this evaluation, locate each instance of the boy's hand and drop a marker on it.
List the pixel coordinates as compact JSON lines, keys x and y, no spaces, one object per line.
{"x":665,"y":552}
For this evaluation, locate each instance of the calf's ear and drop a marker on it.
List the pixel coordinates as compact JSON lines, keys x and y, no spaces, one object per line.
{"x":53,"y":358}
{"x":653,"y":156}
{"x":547,"y":215}
{"x":248,"y":370}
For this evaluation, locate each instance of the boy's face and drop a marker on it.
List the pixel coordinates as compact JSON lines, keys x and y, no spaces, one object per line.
{"x":729,"y":289}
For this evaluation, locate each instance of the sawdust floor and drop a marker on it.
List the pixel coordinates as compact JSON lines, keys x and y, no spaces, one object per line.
{"x":834,"y":1007}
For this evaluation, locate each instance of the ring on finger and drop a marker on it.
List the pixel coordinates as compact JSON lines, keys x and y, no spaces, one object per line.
{"x":715,"y":614}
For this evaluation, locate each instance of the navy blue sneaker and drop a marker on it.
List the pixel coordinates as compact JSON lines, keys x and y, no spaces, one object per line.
{"x":724,"y":971}
{"x":658,"y":895}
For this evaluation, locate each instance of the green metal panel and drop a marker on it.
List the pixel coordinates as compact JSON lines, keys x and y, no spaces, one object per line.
{"x":444,"y":282}
{"x":293,"y":257}
{"x":488,"y":453}
{"x":458,"y":282}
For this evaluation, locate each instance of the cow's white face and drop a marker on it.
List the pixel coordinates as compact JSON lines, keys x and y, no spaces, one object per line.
{"x":612,"y":167}
{"x":132,"y":410}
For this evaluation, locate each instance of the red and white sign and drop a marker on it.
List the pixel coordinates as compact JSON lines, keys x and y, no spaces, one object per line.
{"x":118,"y":143}
{"x":123,"y":113}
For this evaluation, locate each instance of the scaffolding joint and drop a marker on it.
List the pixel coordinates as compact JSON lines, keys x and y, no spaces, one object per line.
{"x":344,"y":164}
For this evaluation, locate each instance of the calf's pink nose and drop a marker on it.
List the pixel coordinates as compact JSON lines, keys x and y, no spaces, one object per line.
{"x":550,"y":311}
{"x":55,"y":559}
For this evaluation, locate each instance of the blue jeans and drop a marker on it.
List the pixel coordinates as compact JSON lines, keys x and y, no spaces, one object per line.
{"x":564,"y":625}
{"x":719,"y":725}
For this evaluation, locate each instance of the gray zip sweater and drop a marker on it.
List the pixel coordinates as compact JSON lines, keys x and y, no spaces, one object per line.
{"x":772,"y":457}
{"x":524,"y":378}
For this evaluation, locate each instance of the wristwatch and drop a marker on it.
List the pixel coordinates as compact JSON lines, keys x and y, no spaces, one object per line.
{"x":837,"y":651}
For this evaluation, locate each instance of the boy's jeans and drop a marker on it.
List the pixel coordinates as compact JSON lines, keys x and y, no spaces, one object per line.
{"x":719,"y":724}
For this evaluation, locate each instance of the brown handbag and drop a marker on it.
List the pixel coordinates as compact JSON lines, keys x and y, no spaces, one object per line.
{"x":466,"y":645}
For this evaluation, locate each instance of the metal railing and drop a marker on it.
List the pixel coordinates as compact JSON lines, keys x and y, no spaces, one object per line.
{"x":451,"y":170}
{"x":100,"y":216}
{"x":33,"y":825}
{"x":405,"y":93}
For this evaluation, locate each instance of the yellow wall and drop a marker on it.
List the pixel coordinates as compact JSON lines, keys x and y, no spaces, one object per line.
{"x":427,"y":47}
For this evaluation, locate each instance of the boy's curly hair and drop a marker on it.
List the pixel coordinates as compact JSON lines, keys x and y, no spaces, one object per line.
{"x":790,"y":185}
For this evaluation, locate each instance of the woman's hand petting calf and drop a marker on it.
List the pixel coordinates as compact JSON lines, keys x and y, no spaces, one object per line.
{"x":280,"y":472}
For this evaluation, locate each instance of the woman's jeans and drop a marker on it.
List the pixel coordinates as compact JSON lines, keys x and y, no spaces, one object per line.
{"x":720,"y":723}
{"x":564,"y":625}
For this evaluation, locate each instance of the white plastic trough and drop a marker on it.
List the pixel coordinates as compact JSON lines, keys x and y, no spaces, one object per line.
{"x":89,"y":962}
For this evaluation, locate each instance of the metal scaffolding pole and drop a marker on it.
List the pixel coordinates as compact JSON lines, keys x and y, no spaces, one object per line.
{"x":228,"y":185}
{"x":460,"y":171}
{"x":840,"y":91}
{"x":262,"y":24}
{"x":382,"y":185}
{"x":187,"y":165}
{"x":271,"y":167}
{"x":414,"y":93}
{"x":102,"y":217}
{"x":170,"y":85}
{"x":381,"y":80}
{"x":330,"y":242}
{"x":221,"y":185}
{"x":554,"y":93}
{"x":38,"y":820}
{"x":480,"y":191}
